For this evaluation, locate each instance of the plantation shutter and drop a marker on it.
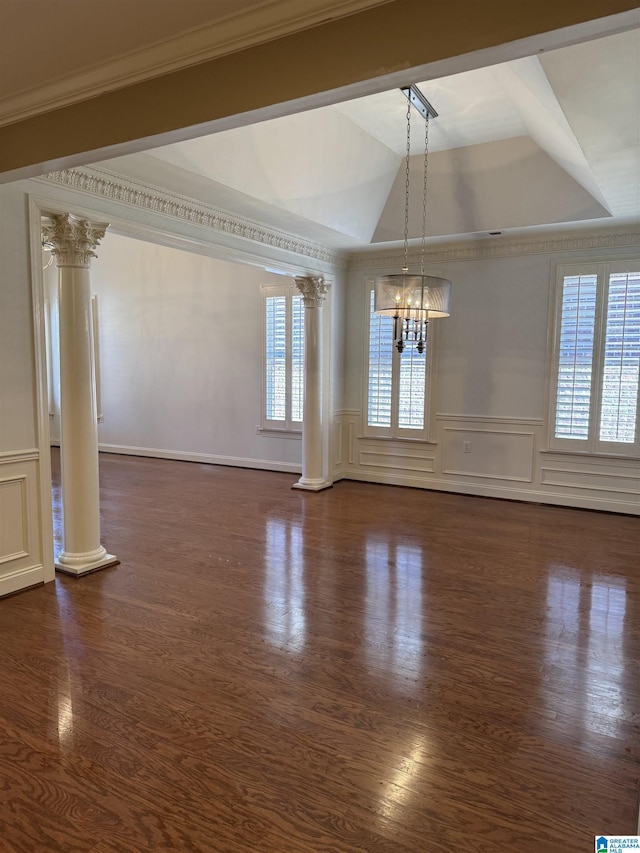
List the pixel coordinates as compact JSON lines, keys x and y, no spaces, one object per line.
{"x":297,"y":358}
{"x":575,"y":365}
{"x":380,"y":369}
{"x":621,"y":363}
{"x":275,"y":360}
{"x":412,"y":389}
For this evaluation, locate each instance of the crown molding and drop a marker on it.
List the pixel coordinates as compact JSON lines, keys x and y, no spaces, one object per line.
{"x":272,"y":20}
{"x":475,"y":251}
{"x":108,"y":185}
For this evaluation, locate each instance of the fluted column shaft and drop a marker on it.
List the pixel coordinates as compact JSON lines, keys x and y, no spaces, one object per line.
{"x":314,"y":291}
{"x":72,"y":242}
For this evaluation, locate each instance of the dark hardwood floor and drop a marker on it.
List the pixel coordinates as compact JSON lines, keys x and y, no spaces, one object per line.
{"x":368,"y":668}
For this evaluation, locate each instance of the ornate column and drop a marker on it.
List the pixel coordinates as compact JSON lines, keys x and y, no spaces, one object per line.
{"x":72,"y":241}
{"x":314,"y":291}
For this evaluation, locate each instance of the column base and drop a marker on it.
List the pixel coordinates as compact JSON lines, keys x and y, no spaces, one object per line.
{"x":83,"y":564}
{"x":312,"y":485}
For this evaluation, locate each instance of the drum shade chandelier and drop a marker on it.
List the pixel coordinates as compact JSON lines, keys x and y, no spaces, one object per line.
{"x":411,"y":299}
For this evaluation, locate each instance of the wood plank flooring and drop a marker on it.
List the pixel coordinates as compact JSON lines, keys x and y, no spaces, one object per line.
{"x":369,"y":668}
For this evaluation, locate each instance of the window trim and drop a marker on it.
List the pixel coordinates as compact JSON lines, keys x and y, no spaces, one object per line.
{"x":287,"y":427}
{"x":592,"y":446}
{"x":394,"y":432}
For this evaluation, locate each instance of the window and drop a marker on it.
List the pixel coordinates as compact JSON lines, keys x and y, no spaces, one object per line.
{"x":283,"y":376}
{"x":397,"y":382}
{"x":596,"y":365}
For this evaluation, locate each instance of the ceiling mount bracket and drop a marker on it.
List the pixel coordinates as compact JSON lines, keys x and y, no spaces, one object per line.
{"x":418,"y":100}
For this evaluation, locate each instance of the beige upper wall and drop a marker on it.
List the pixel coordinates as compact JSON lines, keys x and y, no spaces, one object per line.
{"x":396,"y":37}
{"x":18,"y":418}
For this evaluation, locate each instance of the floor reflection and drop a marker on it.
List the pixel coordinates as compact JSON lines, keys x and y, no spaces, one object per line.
{"x":394,"y":610}
{"x":406,"y":775}
{"x":64,"y":685}
{"x":583,"y":648}
{"x":605,"y":669}
{"x":284,"y":590}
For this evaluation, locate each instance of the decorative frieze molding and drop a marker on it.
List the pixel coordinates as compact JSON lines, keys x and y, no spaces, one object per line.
{"x":108,"y":185}
{"x":314,"y":290}
{"x":72,"y":240}
{"x":475,"y":251}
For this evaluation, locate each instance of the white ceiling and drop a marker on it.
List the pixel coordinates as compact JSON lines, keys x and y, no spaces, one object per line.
{"x":527,"y":144}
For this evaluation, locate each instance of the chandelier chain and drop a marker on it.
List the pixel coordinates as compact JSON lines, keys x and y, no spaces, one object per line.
{"x":425,"y":175}
{"x":406,"y":189}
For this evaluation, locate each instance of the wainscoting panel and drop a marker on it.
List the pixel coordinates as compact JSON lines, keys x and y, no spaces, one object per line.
{"x":499,"y":454}
{"x":604,"y":479}
{"x":338,"y":443}
{"x":598,"y":481}
{"x":14,"y":520}
{"x":394,"y":457}
{"x":489,"y":456}
{"x":346,"y":424}
{"x":20,"y":549}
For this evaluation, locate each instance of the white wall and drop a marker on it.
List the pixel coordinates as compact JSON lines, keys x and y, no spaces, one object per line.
{"x":492,"y":349}
{"x":23,"y":548}
{"x":489,"y":388}
{"x":180,"y":341}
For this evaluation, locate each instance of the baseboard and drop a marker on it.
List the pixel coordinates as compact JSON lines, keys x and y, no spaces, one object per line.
{"x":629,"y":507}
{"x":206,"y":458}
{"x":21,"y":579}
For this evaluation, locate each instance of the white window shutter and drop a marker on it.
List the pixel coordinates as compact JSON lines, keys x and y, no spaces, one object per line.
{"x":412,"y":389}
{"x":575,"y":362}
{"x":275,"y":358}
{"x":379,"y":390}
{"x":297,"y":358}
{"x":621,"y":363}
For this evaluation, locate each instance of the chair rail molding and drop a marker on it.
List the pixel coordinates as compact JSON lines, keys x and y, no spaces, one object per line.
{"x":490,"y":419}
{"x":30,"y":455}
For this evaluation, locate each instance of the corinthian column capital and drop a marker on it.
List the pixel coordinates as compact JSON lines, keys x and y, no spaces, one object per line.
{"x":72,"y":240}
{"x":314,"y":290}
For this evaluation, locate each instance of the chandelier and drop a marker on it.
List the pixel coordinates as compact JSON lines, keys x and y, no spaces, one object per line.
{"x":413,"y":299}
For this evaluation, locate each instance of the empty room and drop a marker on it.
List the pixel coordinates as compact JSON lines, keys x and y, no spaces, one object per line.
{"x":319,"y":428}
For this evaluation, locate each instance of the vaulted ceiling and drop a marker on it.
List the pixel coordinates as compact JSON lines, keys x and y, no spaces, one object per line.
{"x":535,"y":143}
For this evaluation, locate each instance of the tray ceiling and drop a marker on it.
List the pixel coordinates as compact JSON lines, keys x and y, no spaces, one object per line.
{"x":531,"y":143}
